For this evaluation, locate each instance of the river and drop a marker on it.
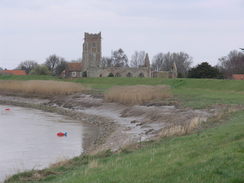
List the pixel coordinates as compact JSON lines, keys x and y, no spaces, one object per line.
{"x":28,"y":139}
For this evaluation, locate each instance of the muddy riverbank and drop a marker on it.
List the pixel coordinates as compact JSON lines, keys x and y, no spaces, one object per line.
{"x":118,"y":125}
{"x":102,"y":127}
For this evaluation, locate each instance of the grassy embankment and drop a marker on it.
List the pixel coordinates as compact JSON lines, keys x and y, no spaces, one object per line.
{"x":195,"y":93}
{"x":212,"y":155}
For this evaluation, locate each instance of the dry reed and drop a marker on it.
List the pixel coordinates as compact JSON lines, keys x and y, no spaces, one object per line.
{"x":93,"y":164}
{"x":138,"y":94}
{"x":40,"y":87}
{"x":181,"y":129}
{"x":59,"y":163}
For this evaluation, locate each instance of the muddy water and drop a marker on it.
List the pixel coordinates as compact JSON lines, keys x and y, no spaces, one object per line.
{"x":28,"y":139}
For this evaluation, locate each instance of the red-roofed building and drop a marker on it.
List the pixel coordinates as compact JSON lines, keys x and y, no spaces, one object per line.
{"x":73,"y":70}
{"x":13,"y":72}
{"x":238,"y":76}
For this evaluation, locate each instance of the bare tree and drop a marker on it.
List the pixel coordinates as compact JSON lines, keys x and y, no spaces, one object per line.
{"x":233,"y":63}
{"x":137,"y":59}
{"x":27,"y":65}
{"x":60,"y":67}
{"x":1,"y":68}
{"x":183,"y":62}
{"x":164,"y":62}
{"x":119,"y":58}
{"x":106,"y":62}
{"x":53,"y":62}
{"x":157,"y":62}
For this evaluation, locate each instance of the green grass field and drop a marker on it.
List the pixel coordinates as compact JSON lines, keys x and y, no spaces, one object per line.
{"x":212,"y":155}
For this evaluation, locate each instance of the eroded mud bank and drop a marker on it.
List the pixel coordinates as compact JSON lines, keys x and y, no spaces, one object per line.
{"x":118,"y":125}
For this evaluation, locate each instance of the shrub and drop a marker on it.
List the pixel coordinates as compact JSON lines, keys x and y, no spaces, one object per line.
{"x":40,"y":70}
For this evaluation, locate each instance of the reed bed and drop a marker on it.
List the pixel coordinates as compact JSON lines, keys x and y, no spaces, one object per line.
{"x":182,"y":129}
{"x":139,"y":94}
{"x":40,"y":87}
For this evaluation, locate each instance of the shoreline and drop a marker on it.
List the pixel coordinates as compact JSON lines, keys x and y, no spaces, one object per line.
{"x":100,"y":127}
{"x":117,"y":126}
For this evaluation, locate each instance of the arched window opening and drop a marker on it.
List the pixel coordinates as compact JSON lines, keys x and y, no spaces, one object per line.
{"x":129,"y":75}
{"x":141,"y":75}
{"x":110,"y":75}
{"x":84,"y":74}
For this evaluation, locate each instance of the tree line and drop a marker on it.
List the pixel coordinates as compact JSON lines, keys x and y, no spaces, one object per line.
{"x":233,"y":63}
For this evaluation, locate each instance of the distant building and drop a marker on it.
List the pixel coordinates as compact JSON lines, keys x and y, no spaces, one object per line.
{"x":13,"y":72}
{"x":238,"y":76}
{"x":91,"y":61}
{"x":73,"y":70}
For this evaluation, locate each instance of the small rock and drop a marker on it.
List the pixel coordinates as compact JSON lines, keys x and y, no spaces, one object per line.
{"x":134,"y":121}
{"x":139,"y":124}
{"x":149,"y":131}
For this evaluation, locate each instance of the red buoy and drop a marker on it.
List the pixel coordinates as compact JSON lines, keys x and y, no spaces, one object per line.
{"x":61,"y":134}
{"x":7,"y":109}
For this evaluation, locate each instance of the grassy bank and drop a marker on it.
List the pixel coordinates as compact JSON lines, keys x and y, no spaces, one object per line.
{"x":105,"y":83}
{"x":213,"y":155}
{"x":195,"y":93}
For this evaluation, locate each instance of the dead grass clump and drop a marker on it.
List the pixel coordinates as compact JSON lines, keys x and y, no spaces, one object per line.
{"x":40,"y":87}
{"x":39,"y":175}
{"x":93,"y":164}
{"x":60,"y":163}
{"x":34,"y":175}
{"x":138,"y":94}
{"x":176,"y":130}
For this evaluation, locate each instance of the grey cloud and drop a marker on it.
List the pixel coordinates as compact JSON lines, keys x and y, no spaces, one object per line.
{"x":33,"y":29}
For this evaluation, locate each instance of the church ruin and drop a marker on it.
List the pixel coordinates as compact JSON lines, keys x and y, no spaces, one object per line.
{"x":91,"y":67}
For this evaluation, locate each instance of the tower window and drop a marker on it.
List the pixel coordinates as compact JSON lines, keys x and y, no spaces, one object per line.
{"x":93,"y":45}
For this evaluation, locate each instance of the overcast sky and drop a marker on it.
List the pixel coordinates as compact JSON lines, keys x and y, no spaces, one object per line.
{"x":35,"y":29}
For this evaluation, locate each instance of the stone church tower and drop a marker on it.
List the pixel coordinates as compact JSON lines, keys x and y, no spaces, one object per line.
{"x":92,"y":51}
